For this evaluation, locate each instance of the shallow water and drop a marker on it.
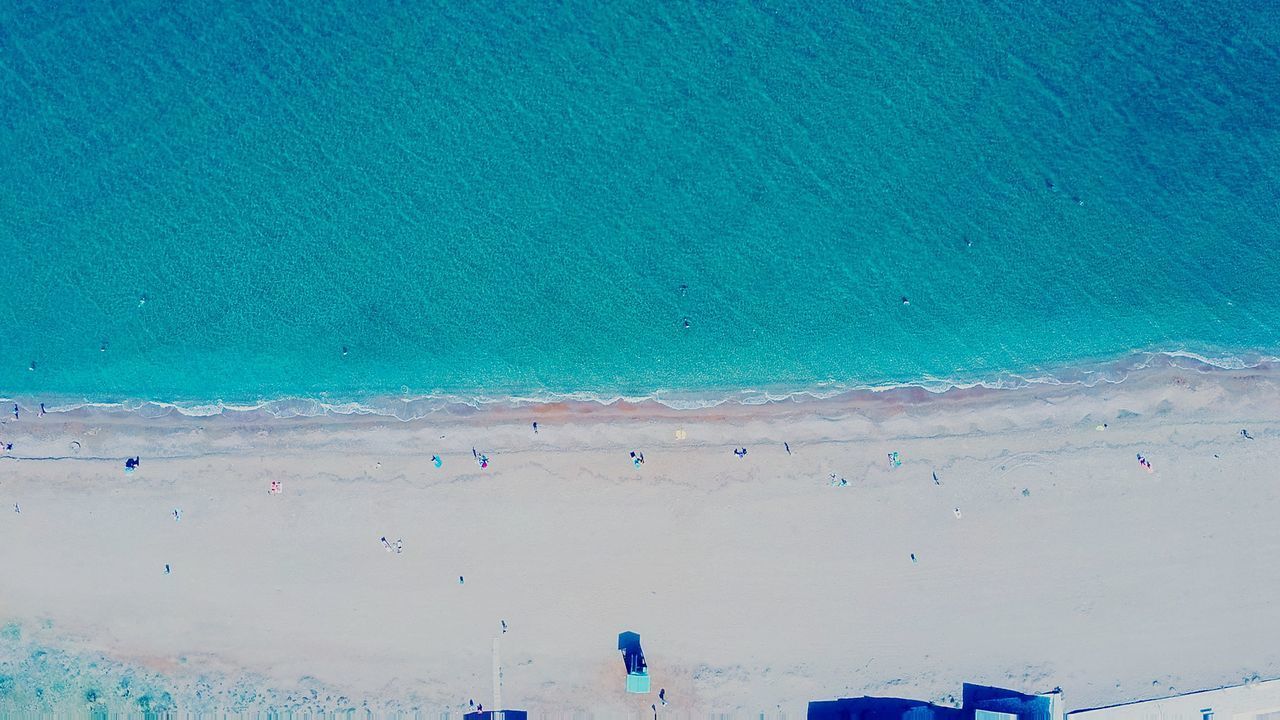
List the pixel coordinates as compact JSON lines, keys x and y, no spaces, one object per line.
{"x":513,"y":200}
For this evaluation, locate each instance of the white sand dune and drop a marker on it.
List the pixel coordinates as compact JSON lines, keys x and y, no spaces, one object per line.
{"x":756,"y":586}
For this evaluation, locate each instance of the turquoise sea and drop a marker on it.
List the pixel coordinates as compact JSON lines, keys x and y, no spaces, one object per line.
{"x":206,"y":201}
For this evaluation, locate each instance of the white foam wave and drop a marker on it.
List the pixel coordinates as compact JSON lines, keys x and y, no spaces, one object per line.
{"x":414,"y":407}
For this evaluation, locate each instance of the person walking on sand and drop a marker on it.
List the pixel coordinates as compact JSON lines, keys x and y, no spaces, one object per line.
{"x":535,"y":427}
{"x":386,"y":544}
{"x":504,"y":626}
{"x":17,"y":509}
{"x":1245,"y":434}
{"x":166,"y":568}
{"x":788,"y":447}
{"x":662,"y":695}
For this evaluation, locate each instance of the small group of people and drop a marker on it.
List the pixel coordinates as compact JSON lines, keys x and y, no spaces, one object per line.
{"x":481,"y":458}
{"x":637,"y":459}
{"x":1145,"y":463}
{"x":397,"y":548}
{"x":740,"y":452}
{"x":131,"y":464}
{"x":17,"y":411}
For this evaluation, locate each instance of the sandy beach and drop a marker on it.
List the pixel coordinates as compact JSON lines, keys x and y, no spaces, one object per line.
{"x":1045,"y":555}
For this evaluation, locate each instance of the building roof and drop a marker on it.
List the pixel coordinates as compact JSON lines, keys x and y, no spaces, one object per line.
{"x":1250,"y":701}
{"x":980,"y":702}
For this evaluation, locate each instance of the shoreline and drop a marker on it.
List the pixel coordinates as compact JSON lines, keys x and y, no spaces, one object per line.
{"x":1134,"y":367}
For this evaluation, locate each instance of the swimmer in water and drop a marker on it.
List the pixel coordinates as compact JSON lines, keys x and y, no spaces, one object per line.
{"x":905,"y":301}
{"x":686,"y":323}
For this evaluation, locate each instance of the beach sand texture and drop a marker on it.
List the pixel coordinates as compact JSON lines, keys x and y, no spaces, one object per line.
{"x":755,"y":584}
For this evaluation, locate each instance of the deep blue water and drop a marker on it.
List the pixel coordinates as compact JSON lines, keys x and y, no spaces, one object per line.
{"x":507,"y":197}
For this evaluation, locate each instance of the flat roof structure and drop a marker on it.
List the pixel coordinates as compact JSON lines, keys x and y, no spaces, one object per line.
{"x":1258,"y":700}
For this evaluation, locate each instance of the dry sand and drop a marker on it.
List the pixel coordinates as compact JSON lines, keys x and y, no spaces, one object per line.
{"x":756,"y":586}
